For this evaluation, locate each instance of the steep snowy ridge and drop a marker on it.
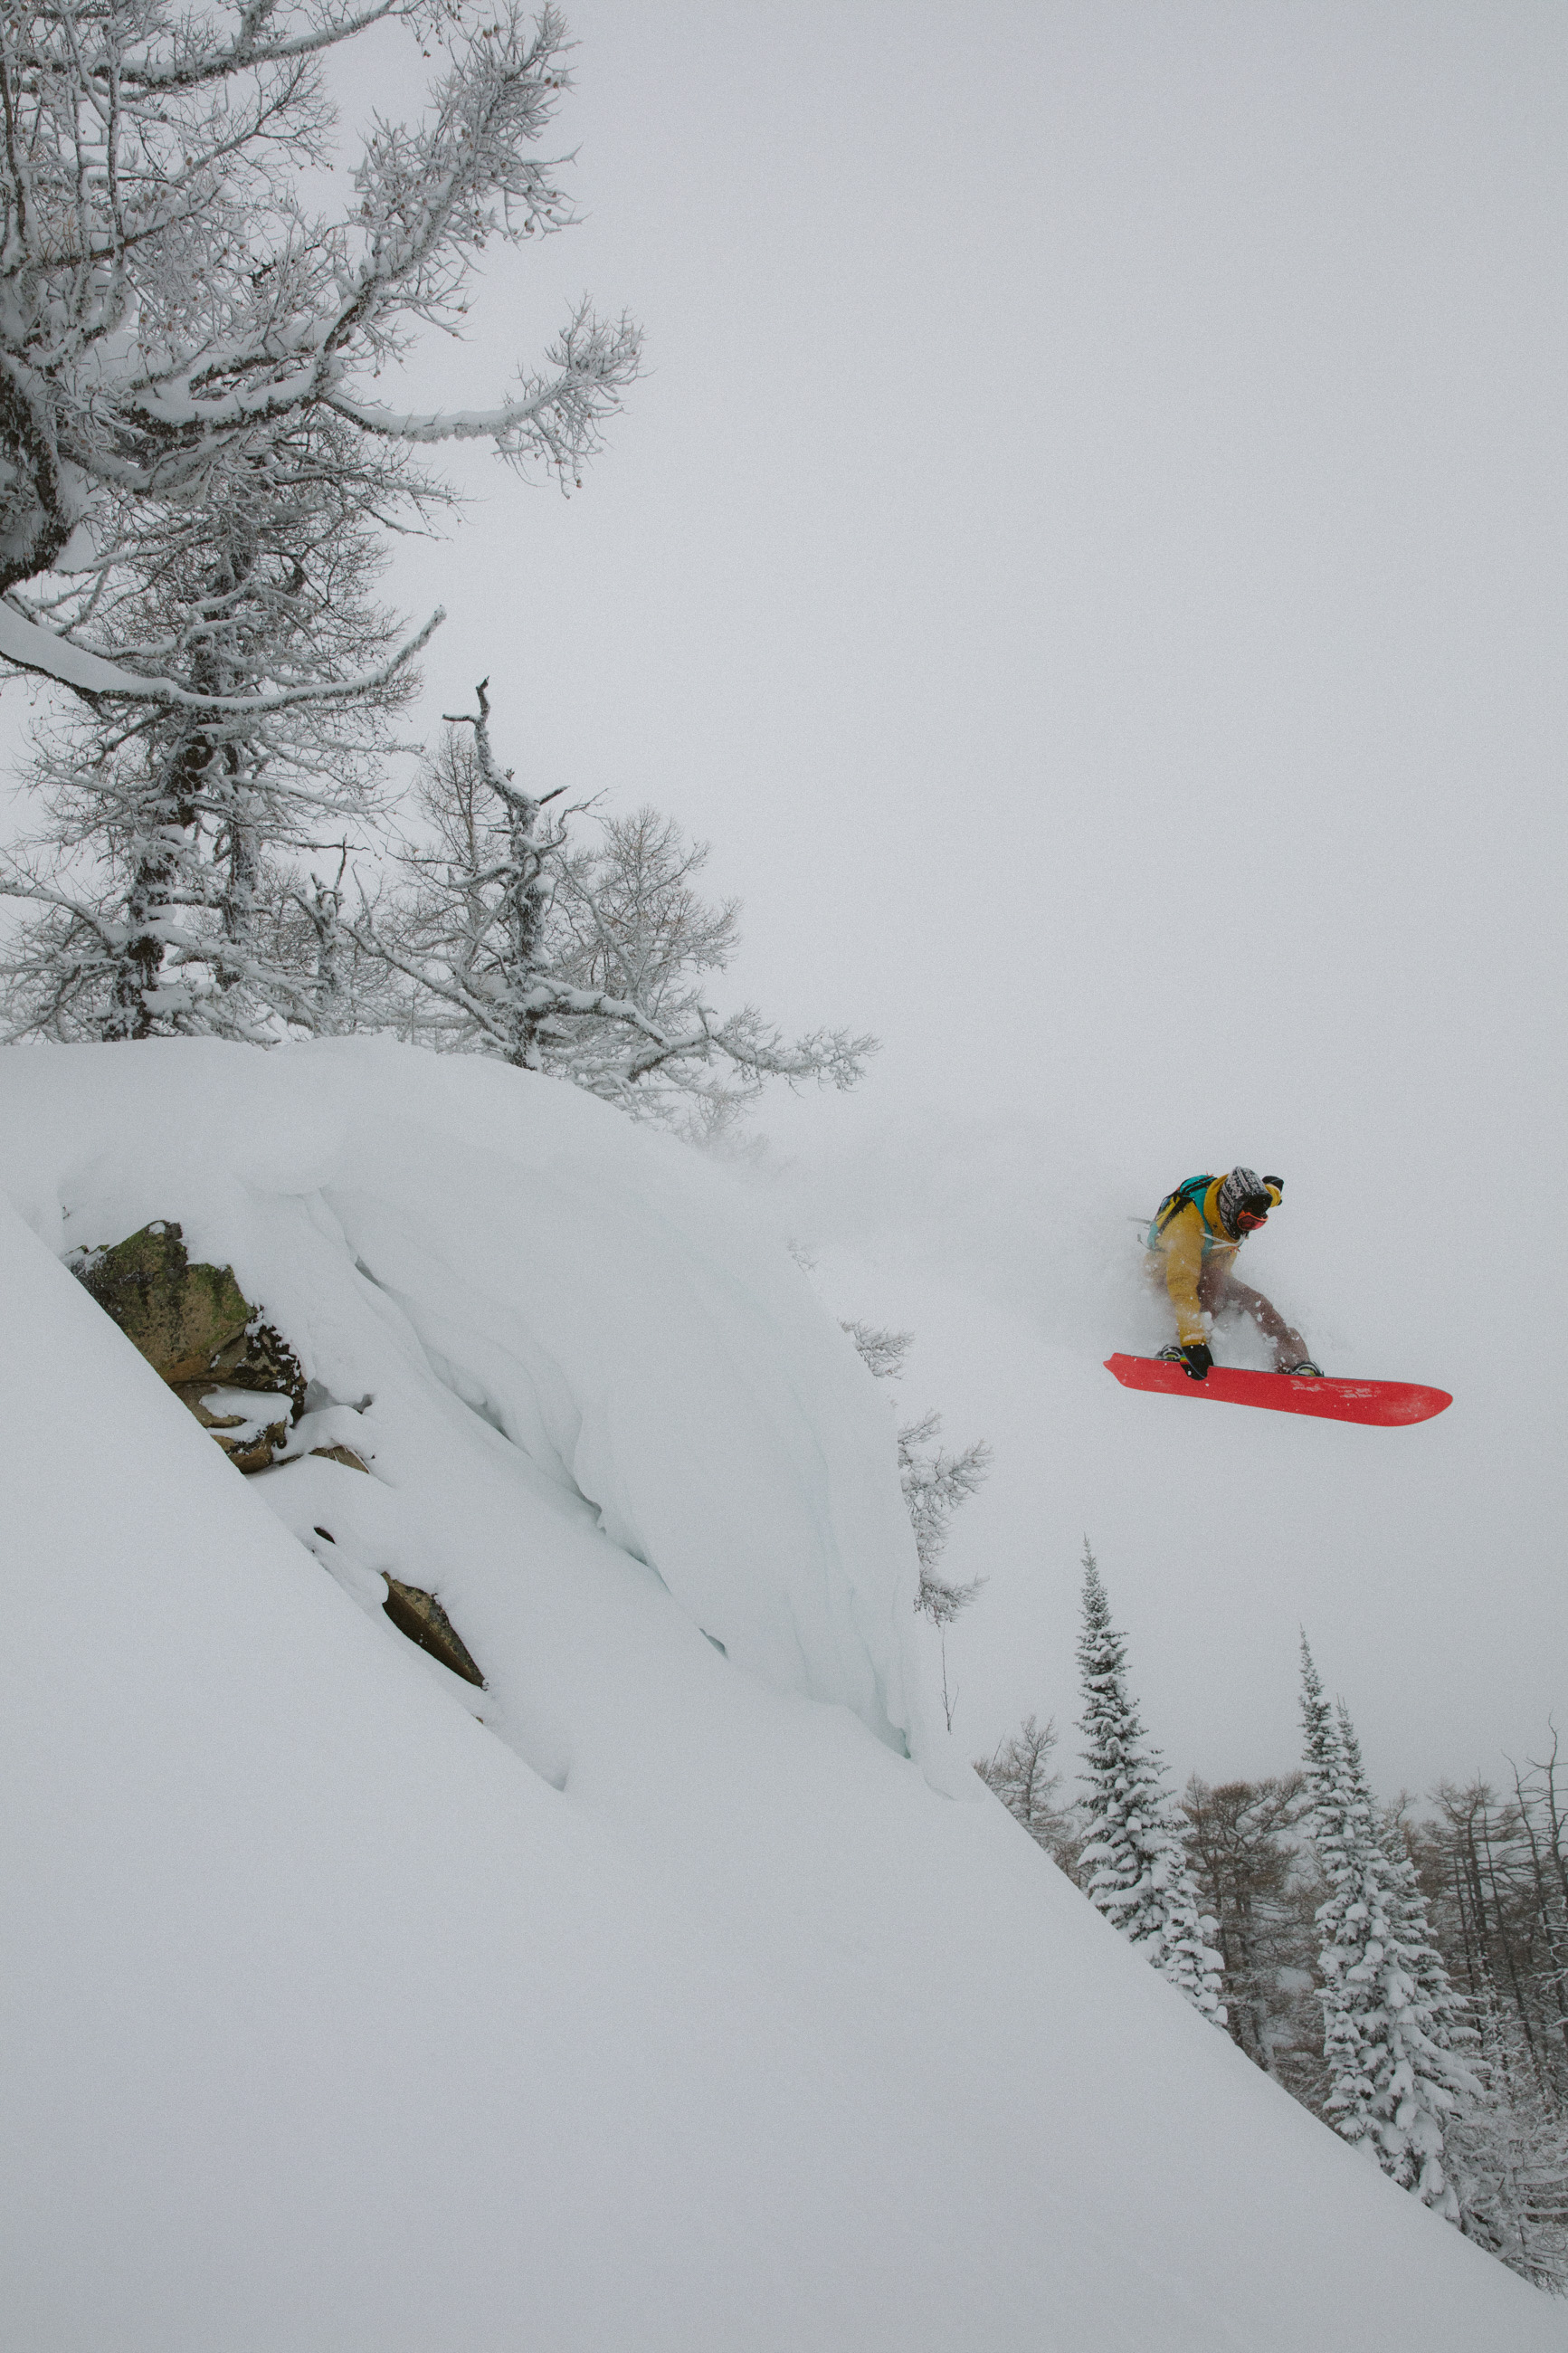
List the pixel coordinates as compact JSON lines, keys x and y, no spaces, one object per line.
{"x":670,"y":2006}
{"x":587,"y":1289}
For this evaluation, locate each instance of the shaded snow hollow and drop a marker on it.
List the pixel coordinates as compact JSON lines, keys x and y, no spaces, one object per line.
{"x":670,"y":2006}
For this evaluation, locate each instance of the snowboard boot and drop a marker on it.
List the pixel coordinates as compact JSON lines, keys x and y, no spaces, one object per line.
{"x":1305,"y":1368}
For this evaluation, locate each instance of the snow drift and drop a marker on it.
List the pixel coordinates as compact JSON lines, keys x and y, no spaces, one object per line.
{"x":592,"y":1294}
{"x":668,"y":2006}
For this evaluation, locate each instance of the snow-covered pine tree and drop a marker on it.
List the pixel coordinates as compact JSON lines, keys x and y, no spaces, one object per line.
{"x":1439,"y":2040}
{"x":586,"y":965}
{"x":1390,"y":2017}
{"x":1132,"y":1865}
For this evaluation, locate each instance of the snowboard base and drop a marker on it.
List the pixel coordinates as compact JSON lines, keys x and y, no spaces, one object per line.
{"x":1389,"y":1403}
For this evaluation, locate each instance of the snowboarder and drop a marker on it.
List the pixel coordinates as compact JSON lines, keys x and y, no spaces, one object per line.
{"x":1192,"y":1249}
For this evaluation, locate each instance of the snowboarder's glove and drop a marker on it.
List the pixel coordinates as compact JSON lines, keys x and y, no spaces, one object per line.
{"x":1197,"y":1359}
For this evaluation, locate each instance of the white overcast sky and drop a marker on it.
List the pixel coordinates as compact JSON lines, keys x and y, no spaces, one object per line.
{"x":1089,"y":548}
{"x":1088,"y":552}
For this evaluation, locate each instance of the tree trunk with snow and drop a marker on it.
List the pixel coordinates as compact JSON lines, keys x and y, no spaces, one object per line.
{"x":173,"y":840}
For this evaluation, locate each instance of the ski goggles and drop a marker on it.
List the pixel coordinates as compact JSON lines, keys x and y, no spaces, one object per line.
{"x":1248,"y":1220}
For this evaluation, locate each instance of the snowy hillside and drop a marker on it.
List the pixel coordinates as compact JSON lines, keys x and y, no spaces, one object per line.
{"x":651,"y":1997}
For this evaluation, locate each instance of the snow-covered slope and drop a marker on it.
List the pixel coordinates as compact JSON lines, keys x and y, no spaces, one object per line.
{"x":670,"y":2005}
{"x":589,"y":1292}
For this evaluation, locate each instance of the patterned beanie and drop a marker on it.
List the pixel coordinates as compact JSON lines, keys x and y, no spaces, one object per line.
{"x":1244,"y":1189}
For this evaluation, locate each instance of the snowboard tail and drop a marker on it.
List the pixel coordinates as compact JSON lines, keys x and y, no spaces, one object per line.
{"x":1389,"y":1403}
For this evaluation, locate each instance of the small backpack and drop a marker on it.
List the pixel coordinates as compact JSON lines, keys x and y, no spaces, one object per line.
{"x":1193,"y":1190}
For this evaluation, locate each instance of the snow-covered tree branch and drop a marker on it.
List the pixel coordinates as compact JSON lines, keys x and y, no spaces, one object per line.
{"x":934,"y":1481}
{"x":935,"y":1484}
{"x":585,"y":961}
{"x":170,"y":313}
{"x":178,"y":838}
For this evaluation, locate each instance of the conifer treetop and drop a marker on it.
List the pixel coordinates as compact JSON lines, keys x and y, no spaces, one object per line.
{"x":1133,"y":1860}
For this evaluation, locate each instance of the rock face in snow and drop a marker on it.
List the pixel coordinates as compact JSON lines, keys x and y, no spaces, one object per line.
{"x":421,"y":1616}
{"x":181,"y":1317}
{"x":196,"y":1328}
{"x":667,"y":2007}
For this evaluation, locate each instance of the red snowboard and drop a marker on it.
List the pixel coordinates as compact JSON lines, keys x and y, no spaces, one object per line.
{"x":1390,"y":1402}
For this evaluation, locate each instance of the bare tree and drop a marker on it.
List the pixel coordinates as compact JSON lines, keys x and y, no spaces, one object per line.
{"x":881,"y":1350}
{"x":1021,"y":1772}
{"x":1257,"y":1882}
{"x":470,"y":939}
{"x":1492,"y":1868}
{"x":1510,"y":2153}
{"x":934,"y":1482}
{"x":584,"y":963}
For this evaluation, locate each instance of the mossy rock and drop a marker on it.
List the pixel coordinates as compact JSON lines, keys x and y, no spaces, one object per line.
{"x":196,"y":1326}
{"x":180,"y":1316}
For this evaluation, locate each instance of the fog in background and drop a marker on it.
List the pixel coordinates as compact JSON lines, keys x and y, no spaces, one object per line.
{"x":1088,"y":552}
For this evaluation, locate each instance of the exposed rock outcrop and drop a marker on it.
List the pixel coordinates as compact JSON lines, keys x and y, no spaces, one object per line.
{"x":249,"y":1425}
{"x":180,"y":1316}
{"x":344,"y":1454}
{"x":195,"y":1325}
{"x":240,"y":1378}
{"x":421,"y":1616}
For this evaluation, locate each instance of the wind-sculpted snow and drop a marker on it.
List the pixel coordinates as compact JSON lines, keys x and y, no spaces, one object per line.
{"x":424,"y":1228}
